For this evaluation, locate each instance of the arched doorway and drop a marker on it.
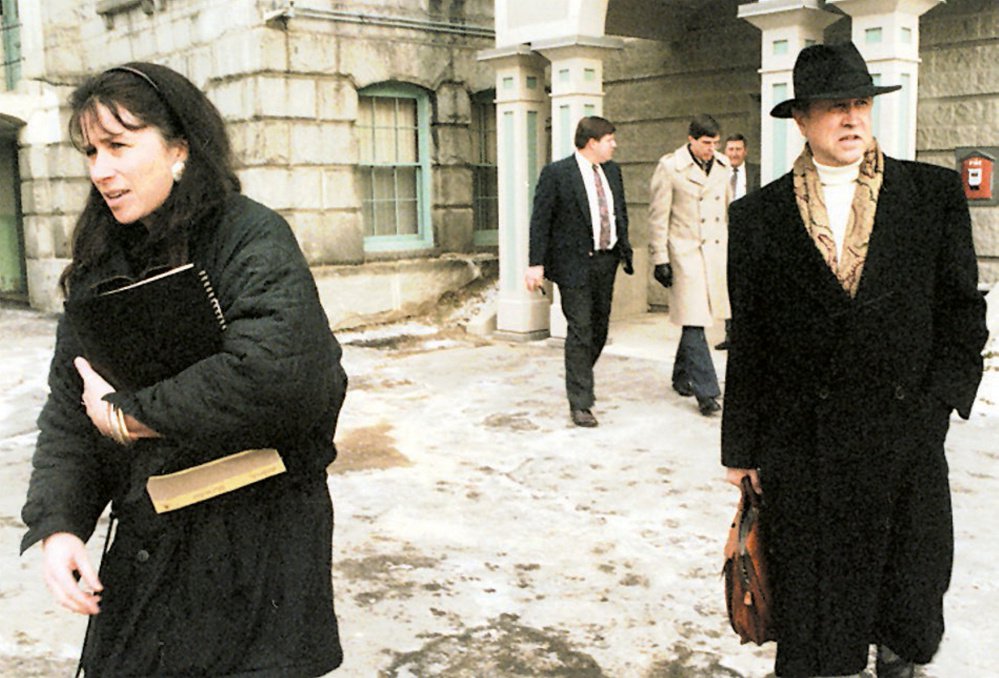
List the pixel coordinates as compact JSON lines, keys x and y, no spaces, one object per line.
{"x":13,"y":280}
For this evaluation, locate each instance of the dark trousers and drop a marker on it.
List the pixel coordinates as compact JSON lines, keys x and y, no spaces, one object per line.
{"x":587,"y":313}
{"x":693,"y":366}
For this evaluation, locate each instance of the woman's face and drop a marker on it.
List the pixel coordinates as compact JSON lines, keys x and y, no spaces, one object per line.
{"x":132,"y":168}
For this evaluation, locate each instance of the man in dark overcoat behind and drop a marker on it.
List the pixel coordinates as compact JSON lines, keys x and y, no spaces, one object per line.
{"x":579,"y":234}
{"x":857,"y":329}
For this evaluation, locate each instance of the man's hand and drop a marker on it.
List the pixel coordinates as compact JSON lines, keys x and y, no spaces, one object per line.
{"x":629,"y":268}
{"x":735,"y":476}
{"x":663,"y":274}
{"x":64,"y":560}
{"x":534,"y":278}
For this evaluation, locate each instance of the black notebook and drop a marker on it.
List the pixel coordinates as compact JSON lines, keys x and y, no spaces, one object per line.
{"x":139,"y":333}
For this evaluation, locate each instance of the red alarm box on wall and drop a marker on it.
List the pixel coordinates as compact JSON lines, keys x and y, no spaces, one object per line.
{"x":977,"y":171}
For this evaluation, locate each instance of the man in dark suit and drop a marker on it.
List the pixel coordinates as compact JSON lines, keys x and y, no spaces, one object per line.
{"x":857,"y":328}
{"x":579,"y":234}
{"x":745,"y":175}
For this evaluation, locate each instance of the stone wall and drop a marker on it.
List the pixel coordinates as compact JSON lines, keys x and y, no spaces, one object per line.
{"x":959,"y":101}
{"x":287,"y":84}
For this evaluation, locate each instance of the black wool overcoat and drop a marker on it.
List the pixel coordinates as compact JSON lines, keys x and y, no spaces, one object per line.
{"x":237,"y":585}
{"x":843,"y":405}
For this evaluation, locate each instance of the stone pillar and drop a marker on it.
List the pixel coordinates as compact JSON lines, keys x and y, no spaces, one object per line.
{"x":887,"y":33}
{"x":521,"y":107}
{"x":788,"y":26}
{"x":577,"y":77}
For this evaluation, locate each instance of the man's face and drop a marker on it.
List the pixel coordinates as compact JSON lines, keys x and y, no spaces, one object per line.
{"x":736,"y":152}
{"x":838,"y":130}
{"x":704,"y":147}
{"x":602,"y":149}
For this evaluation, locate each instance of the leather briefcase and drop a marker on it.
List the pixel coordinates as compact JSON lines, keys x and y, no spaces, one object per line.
{"x":747,"y":589}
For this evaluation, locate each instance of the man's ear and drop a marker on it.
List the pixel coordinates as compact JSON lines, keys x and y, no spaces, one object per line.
{"x":799,"y":118}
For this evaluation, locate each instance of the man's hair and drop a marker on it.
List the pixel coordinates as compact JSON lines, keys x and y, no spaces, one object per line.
{"x":737,"y":137}
{"x":703,"y":126}
{"x":592,"y":127}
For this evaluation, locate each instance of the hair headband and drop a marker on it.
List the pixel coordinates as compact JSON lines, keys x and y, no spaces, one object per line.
{"x":136,"y":72}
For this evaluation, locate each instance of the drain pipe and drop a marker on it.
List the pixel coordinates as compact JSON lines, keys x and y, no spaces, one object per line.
{"x":289,"y":10}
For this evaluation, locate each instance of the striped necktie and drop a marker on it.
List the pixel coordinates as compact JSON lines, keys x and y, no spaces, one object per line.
{"x":604,"y":213}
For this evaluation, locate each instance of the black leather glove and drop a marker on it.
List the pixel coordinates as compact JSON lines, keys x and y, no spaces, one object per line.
{"x":629,"y":269}
{"x":663,"y":275}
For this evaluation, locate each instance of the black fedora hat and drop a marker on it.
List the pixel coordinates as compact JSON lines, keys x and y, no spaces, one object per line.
{"x":830,"y":72}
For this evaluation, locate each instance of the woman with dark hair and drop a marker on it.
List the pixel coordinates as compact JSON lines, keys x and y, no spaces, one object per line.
{"x":239,"y":584}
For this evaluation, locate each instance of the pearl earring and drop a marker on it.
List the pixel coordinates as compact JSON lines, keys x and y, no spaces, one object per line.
{"x":177,"y":170}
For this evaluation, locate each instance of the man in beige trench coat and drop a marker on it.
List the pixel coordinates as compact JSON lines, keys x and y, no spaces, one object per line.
{"x":688,"y":241}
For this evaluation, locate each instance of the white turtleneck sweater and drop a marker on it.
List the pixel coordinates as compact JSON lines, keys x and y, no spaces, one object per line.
{"x":838,"y":186}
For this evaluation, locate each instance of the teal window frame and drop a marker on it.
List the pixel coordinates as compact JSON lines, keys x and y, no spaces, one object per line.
{"x":10,"y":27}
{"x":485,"y":176}
{"x":423,"y":238}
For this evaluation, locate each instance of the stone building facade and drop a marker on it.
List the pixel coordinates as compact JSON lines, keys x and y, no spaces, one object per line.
{"x":402,"y":140}
{"x":657,"y":63}
{"x":368,"y":128}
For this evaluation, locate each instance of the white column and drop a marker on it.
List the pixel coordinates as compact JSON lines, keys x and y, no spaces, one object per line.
{"x":788,"y":26}
{"x":521,"y":108}
{"x":887,"y":33}
{"x":577,"y":78}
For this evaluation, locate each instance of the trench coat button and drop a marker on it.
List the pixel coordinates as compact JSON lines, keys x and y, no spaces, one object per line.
{"x":142,"y":556}
{"x":823,"y":393}
{"x":899,"y":393}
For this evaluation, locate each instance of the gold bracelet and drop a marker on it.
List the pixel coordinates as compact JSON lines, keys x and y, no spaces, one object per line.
{"x":117,"y":426}
{"x":126,"y":437}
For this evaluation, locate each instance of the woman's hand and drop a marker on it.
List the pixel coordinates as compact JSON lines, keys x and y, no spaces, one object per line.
{"x":94,"y":389}
{"x":735,"y":476}
{"x":65,"y":560}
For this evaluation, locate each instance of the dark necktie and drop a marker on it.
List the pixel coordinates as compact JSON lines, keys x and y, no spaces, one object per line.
{"x":604,"y":213}
{"x":735,"y":180}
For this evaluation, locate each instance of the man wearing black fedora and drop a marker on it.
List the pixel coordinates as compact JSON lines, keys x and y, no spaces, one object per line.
{"x":857,"y":329}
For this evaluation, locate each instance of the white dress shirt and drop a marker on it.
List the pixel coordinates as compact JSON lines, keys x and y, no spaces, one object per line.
{"x":586,"y":169}
{"x":740,"y":181}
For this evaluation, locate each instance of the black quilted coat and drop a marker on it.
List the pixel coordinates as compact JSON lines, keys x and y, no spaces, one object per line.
{"x":238,"y":585}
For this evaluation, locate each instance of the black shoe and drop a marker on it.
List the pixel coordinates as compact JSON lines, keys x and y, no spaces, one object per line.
{"x":583,"y":418}
{"x":708,"y":406}
{"x":890,"y":665}
{"x":722,"y":346}
{"x":683,"y":388}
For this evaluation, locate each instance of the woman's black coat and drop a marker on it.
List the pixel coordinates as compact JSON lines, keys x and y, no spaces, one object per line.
{"x":843,"y":404}
{"x":236,"y":585}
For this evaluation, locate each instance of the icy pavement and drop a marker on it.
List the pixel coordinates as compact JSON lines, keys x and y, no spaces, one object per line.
{"x":480,"y":534}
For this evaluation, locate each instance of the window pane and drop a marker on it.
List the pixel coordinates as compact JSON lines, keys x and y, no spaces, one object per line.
{"x":384,"y":188}
{"x":408,"y":220}
{"x":406,"y":112}
{"x":384,"y":217}
{"x":408,"y":151}
{"x":384,"y":144}
{"x":384,"y":111}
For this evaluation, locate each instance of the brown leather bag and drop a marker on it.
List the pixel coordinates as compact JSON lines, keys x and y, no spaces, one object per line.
{"x":747,"y":588}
